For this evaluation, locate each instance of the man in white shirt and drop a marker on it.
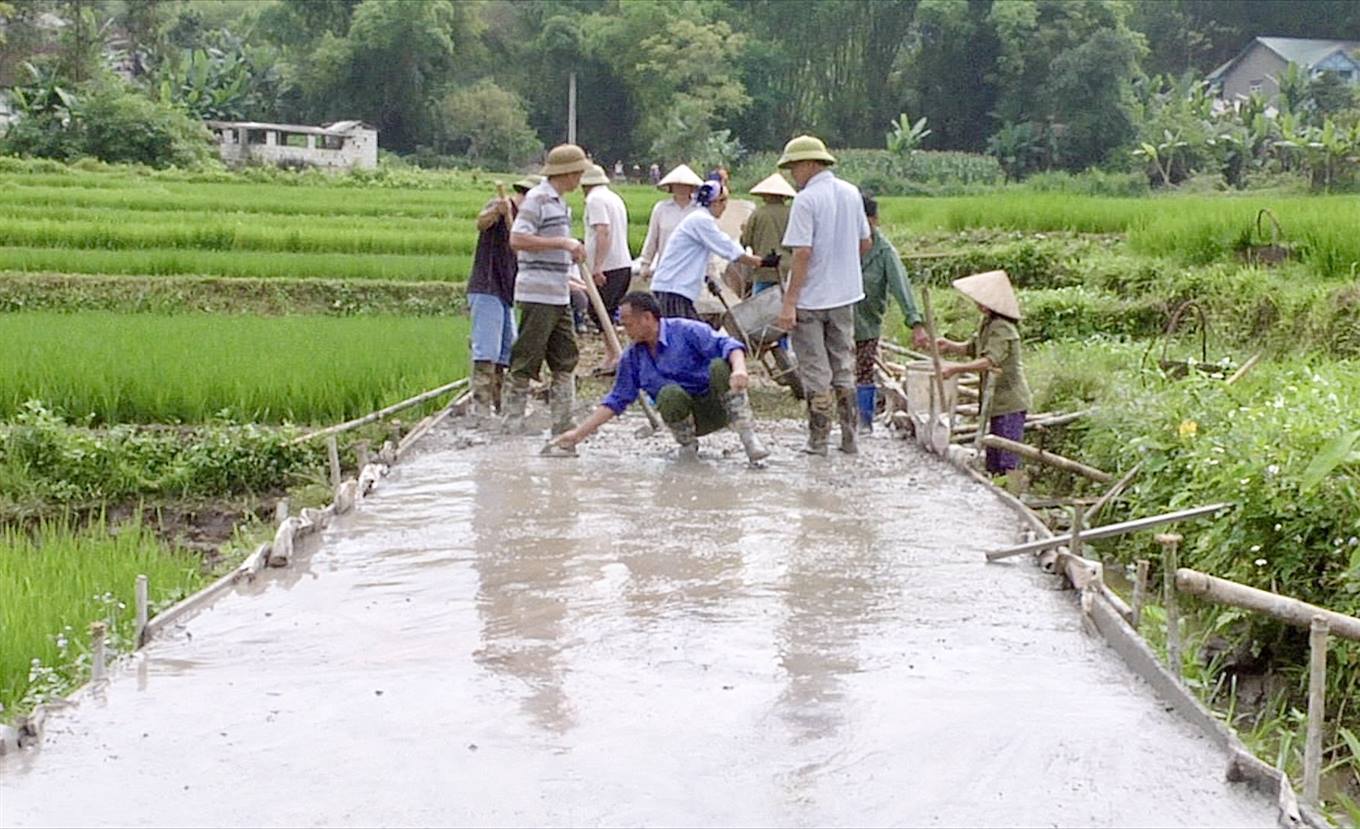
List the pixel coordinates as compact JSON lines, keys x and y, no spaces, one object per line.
{"x":610,"y":263}
{"x":827,"y":232}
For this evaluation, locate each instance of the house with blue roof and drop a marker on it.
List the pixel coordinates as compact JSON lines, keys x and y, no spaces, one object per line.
{"x":1256,"y":69}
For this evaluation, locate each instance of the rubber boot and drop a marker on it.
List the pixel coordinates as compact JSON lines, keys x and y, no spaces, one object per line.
{"x":561,"y":400}
{"x":513,"y":404}
{"x":820,"y":408}
{"x":498,"y":388}
{"x":687,"y":435}
{"x":739,"y":417}
{"x":847,"y":414}
{"x":868,"y":403}
{"x":483,"y":388}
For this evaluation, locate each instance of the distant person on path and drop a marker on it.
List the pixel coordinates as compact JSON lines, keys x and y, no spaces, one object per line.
{"x":607,"y":257}
{"x":884,"y":277}
{"x":696,"y":376}
{"x":654,"y":174}
{"x":547,"y":256}
{"x":828,"y":232}
{"x":666,"y":215}
{"x":618,"y":170}
{"x":763,"y":232}
{"x":680,"y":275}
{"x":996,"y":346}
{"x":491,"y":298}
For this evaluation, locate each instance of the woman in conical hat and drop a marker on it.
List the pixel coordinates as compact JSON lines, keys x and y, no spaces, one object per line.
{"x":763,"y":232}
{"x":996,"y":352}
{"x":666,"y":215}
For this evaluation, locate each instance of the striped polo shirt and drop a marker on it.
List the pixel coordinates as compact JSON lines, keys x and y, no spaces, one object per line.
{"x":543,"y":274}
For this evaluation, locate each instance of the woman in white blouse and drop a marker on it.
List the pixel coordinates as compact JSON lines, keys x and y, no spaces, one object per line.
{"x":666,"y":215}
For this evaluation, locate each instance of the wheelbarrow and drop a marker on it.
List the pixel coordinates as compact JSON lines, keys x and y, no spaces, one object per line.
{"x":752,"y":321}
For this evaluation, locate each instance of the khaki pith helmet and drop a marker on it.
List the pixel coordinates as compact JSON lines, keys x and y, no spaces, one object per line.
{"x":594,"y":176}
{"x":805,"y":148}
{"x":680,"y":175}
{"x":565,"y":159}
{"x":774,"y":185}
{"x":992,"y":290}
{"x":527,"y":183}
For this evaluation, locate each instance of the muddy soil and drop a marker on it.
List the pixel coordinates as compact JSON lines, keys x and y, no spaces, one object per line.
{"x":498,"y":638}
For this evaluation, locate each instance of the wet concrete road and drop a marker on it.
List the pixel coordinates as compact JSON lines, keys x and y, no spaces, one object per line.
{"x":502,"y":639}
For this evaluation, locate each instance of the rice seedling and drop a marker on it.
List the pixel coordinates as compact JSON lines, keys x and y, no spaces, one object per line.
{"x":55,"y":580}
{"x":112,"y":368}
{"x":263,"y":264}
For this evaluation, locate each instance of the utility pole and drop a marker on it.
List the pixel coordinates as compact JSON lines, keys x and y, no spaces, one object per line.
{"x":571,"y":108}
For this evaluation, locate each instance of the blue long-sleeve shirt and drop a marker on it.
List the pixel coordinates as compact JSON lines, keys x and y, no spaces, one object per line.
{"x":684,"y":348}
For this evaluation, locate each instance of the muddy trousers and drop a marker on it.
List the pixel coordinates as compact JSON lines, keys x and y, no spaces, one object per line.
{"x":824,"y":341}
{"x":545,"y":335}
{"x":689,"y":416}
{"x":675,"y":405}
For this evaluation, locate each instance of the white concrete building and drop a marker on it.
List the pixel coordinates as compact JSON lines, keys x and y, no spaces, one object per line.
{"x":344,"y":145}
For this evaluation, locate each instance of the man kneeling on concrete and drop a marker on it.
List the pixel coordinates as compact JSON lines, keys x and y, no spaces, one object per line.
{"x":696,"y":376}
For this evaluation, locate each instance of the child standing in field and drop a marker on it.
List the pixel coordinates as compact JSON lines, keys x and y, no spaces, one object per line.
{"x":996,"y":346}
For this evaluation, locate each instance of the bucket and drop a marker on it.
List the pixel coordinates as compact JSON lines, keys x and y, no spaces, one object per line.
{"x":920,"y":378}
{"x":755,"y":317}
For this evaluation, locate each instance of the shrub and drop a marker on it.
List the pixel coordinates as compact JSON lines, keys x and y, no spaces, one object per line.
{"x":112,"y":122}
{"x":489,"y":125}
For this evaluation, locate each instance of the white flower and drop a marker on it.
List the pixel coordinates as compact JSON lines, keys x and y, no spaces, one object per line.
{"x":1273,"y":469}
{"x":1279,"y":527}
{"x":1256,"y":548}
{"x":1260,"y":562}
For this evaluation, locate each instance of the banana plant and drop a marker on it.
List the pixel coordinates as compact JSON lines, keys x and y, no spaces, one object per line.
{"x":1162,"y":154}
{"x":906,"y":137}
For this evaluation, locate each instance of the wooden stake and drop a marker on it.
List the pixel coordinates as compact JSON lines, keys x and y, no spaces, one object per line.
{"x":1284,"y":608}
{"x":1048,"y":458}
{"x":333,"y":454}
{"x":361,"y":452}
{"x":1170,"y":561}
{"x":98,"y":654}
{"x":1139,"y":593}
{"x":280,"y":510}
{"x":937,"y":398}
{"x":1317,"y":709}
{"x":143,"y":606}
{"x":1078,"y":524}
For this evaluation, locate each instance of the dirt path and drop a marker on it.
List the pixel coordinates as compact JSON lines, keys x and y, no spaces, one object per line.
{"x":503,"y":639}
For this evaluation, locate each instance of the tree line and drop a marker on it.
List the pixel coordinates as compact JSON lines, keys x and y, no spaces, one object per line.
{"x":485,"y":81}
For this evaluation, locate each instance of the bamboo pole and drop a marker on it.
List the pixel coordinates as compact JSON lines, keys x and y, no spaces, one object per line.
{"x":1108,"y":530}
{"x":143,"y":607}
{"x":1058,"y":461}
{"x":1115,"y":491}
{"x":1139,"y":593}
{"x":382,"y":413}
{"x":1078,"y":525}
{"x":1317,"y":709}
{"x":1285,"y":609}
{"x":1170,"y":557}
{"x":1246,"y":367}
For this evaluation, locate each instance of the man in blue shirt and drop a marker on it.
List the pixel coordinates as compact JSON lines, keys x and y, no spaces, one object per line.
{"x":696,"y":376}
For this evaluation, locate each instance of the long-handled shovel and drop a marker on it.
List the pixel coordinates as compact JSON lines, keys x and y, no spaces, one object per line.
{"x":940,"y":423}
{"x":614,"y":350}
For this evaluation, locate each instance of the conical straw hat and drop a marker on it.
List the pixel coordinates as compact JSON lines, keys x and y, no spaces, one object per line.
{"x":992,"y":290}
{"x":680,"y":175}
{"x":774,"y":185}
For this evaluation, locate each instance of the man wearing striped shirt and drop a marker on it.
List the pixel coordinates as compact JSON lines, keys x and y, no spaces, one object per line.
{"x":547,"y":256}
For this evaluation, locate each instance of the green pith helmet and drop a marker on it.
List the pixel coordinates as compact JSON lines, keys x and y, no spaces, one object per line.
{"x":565,"y":159}
{"x":805,"y":148}
{"x":527,"y":183}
